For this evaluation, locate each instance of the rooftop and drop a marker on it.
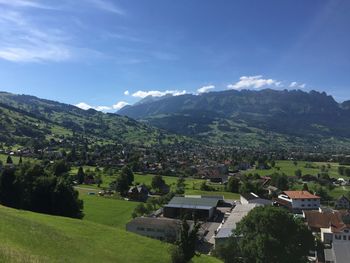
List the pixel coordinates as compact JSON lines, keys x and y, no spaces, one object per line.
{"x":300,"y":195}
{"x":237,"y":214}
{"x":193,"y":202}
{"x":340,"y":252}
{"x":334,"y":219}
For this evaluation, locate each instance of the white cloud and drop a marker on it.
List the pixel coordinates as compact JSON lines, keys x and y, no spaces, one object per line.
{"x":126,"y":93}
{"x":295,"y":84}
{"x":205,"y":89}
{"x":85,"y":106}
{"x":107,"y":6}
{"x":102,"y":108}
{"x":157,"y":93}
{"x":120,"y":105}
{"x":254,"y":82}
{"x":23,"y":41}
{"x":24,"y":3}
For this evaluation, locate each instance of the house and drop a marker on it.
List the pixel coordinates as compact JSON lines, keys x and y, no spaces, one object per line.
{"x":251,"y":198}
{"x":201,"y":208}
{"x":329,"y":224}
{"x":299,"y":200}
{"x":226,"y":229}
{"x":138,"y":193}
{"x":215,"y":174}
{"x":165,"y":229}
{"x":342,"y":203}
{"x":339,"y":253}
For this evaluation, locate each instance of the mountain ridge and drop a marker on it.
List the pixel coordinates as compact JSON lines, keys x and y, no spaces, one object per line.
{"x":291,"y":115}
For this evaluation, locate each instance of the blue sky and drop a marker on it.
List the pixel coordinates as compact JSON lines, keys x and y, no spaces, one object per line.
{"x":106,"y":53}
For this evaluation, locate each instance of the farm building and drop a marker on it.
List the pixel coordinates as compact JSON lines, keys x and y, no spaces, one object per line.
{"x":201,"y":208}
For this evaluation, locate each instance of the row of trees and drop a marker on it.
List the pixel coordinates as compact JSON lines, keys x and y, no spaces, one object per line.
{"x":40,"y":189}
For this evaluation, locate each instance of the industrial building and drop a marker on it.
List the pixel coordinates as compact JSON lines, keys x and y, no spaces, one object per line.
{"x":202,"y":208}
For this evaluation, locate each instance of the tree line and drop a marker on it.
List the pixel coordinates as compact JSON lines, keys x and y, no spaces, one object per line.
{"x":34,"y":187}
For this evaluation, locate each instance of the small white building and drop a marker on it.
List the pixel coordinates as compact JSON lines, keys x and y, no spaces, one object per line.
{"x":300,"y":200}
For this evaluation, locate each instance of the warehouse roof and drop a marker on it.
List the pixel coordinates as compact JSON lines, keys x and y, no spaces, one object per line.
{"x":237,"y":214}
{"x":193,"y":202}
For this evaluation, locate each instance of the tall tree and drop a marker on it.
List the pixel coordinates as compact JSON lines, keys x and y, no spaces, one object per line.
{"x":272,"y":235}
{"x":157,"y":182}
{"x":9,"y":160}
{"x":127,"y":173}
{"x":187,"y":239}
{"x":233,"y":185}
{"x":80,"y":175}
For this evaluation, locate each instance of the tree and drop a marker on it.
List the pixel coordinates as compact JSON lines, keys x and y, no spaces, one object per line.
{"x":60,"y":168}
{"x":228,"y":251}
{"x":80,"y":175}
{"x":298,"y":173}
{"x":127,"y":172}
{"x":305,"y":187}
{"x":9,"y":160}
{"x":20,"y":160}
{"x":280,"y":181}
{"x":180,"y":186}
{"x":233,"y":185}
{"x":187,"y":239}
{"x":273,"y":163}
{"x":157,"y":182}
{"x":122,"y":184}
{"x":272,"y":235}
{"x":176,"y":255}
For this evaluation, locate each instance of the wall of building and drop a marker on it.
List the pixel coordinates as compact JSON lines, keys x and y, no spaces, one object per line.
{"x":305,"y":203}
{"x":157,"y":232}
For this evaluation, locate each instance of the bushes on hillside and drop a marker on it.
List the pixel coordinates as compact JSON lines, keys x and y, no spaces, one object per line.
{"x":33,"y":188}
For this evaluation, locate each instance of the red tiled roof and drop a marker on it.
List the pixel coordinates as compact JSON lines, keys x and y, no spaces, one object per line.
{"x":316,"y":219}
{"x":300,"y":195}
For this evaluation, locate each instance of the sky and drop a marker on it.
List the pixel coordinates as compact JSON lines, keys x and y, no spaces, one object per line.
{"x":105,"y":54}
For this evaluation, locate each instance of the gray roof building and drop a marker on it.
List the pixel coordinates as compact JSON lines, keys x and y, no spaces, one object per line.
{"x":202,"y":207}
{"x":339,"y":253}
{"x":237,"y":214}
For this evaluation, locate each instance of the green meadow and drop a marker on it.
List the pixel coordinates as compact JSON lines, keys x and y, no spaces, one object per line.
{"x":100,"y":237}
{"x":289,"y":168}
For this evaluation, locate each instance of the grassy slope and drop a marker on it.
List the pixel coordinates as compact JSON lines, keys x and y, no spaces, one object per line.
{"x":105,"y":211}
{"x":32,"y":237}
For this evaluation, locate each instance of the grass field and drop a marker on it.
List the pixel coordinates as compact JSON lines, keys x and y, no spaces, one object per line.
{"x":28,"y":237}
{"x":15,"y":159}
{"x":289,"y":168}
{"x":192,"y":186}
{"x":110,"y":212}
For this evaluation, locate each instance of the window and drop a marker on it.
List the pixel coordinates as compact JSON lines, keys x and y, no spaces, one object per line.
{"x":344,"y":237}
{"x":302,"y":205}
{"x":140,"y":228}
{"x":302,"y":200}
{"x":150,"y":229}
{"x":337,"y":237}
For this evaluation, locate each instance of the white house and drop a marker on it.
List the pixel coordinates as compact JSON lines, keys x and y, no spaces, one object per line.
{"x":300,"y":200}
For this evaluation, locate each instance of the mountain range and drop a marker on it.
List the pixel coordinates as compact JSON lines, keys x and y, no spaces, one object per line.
{"x":250,"y":118}
{"x":31,"y":121}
